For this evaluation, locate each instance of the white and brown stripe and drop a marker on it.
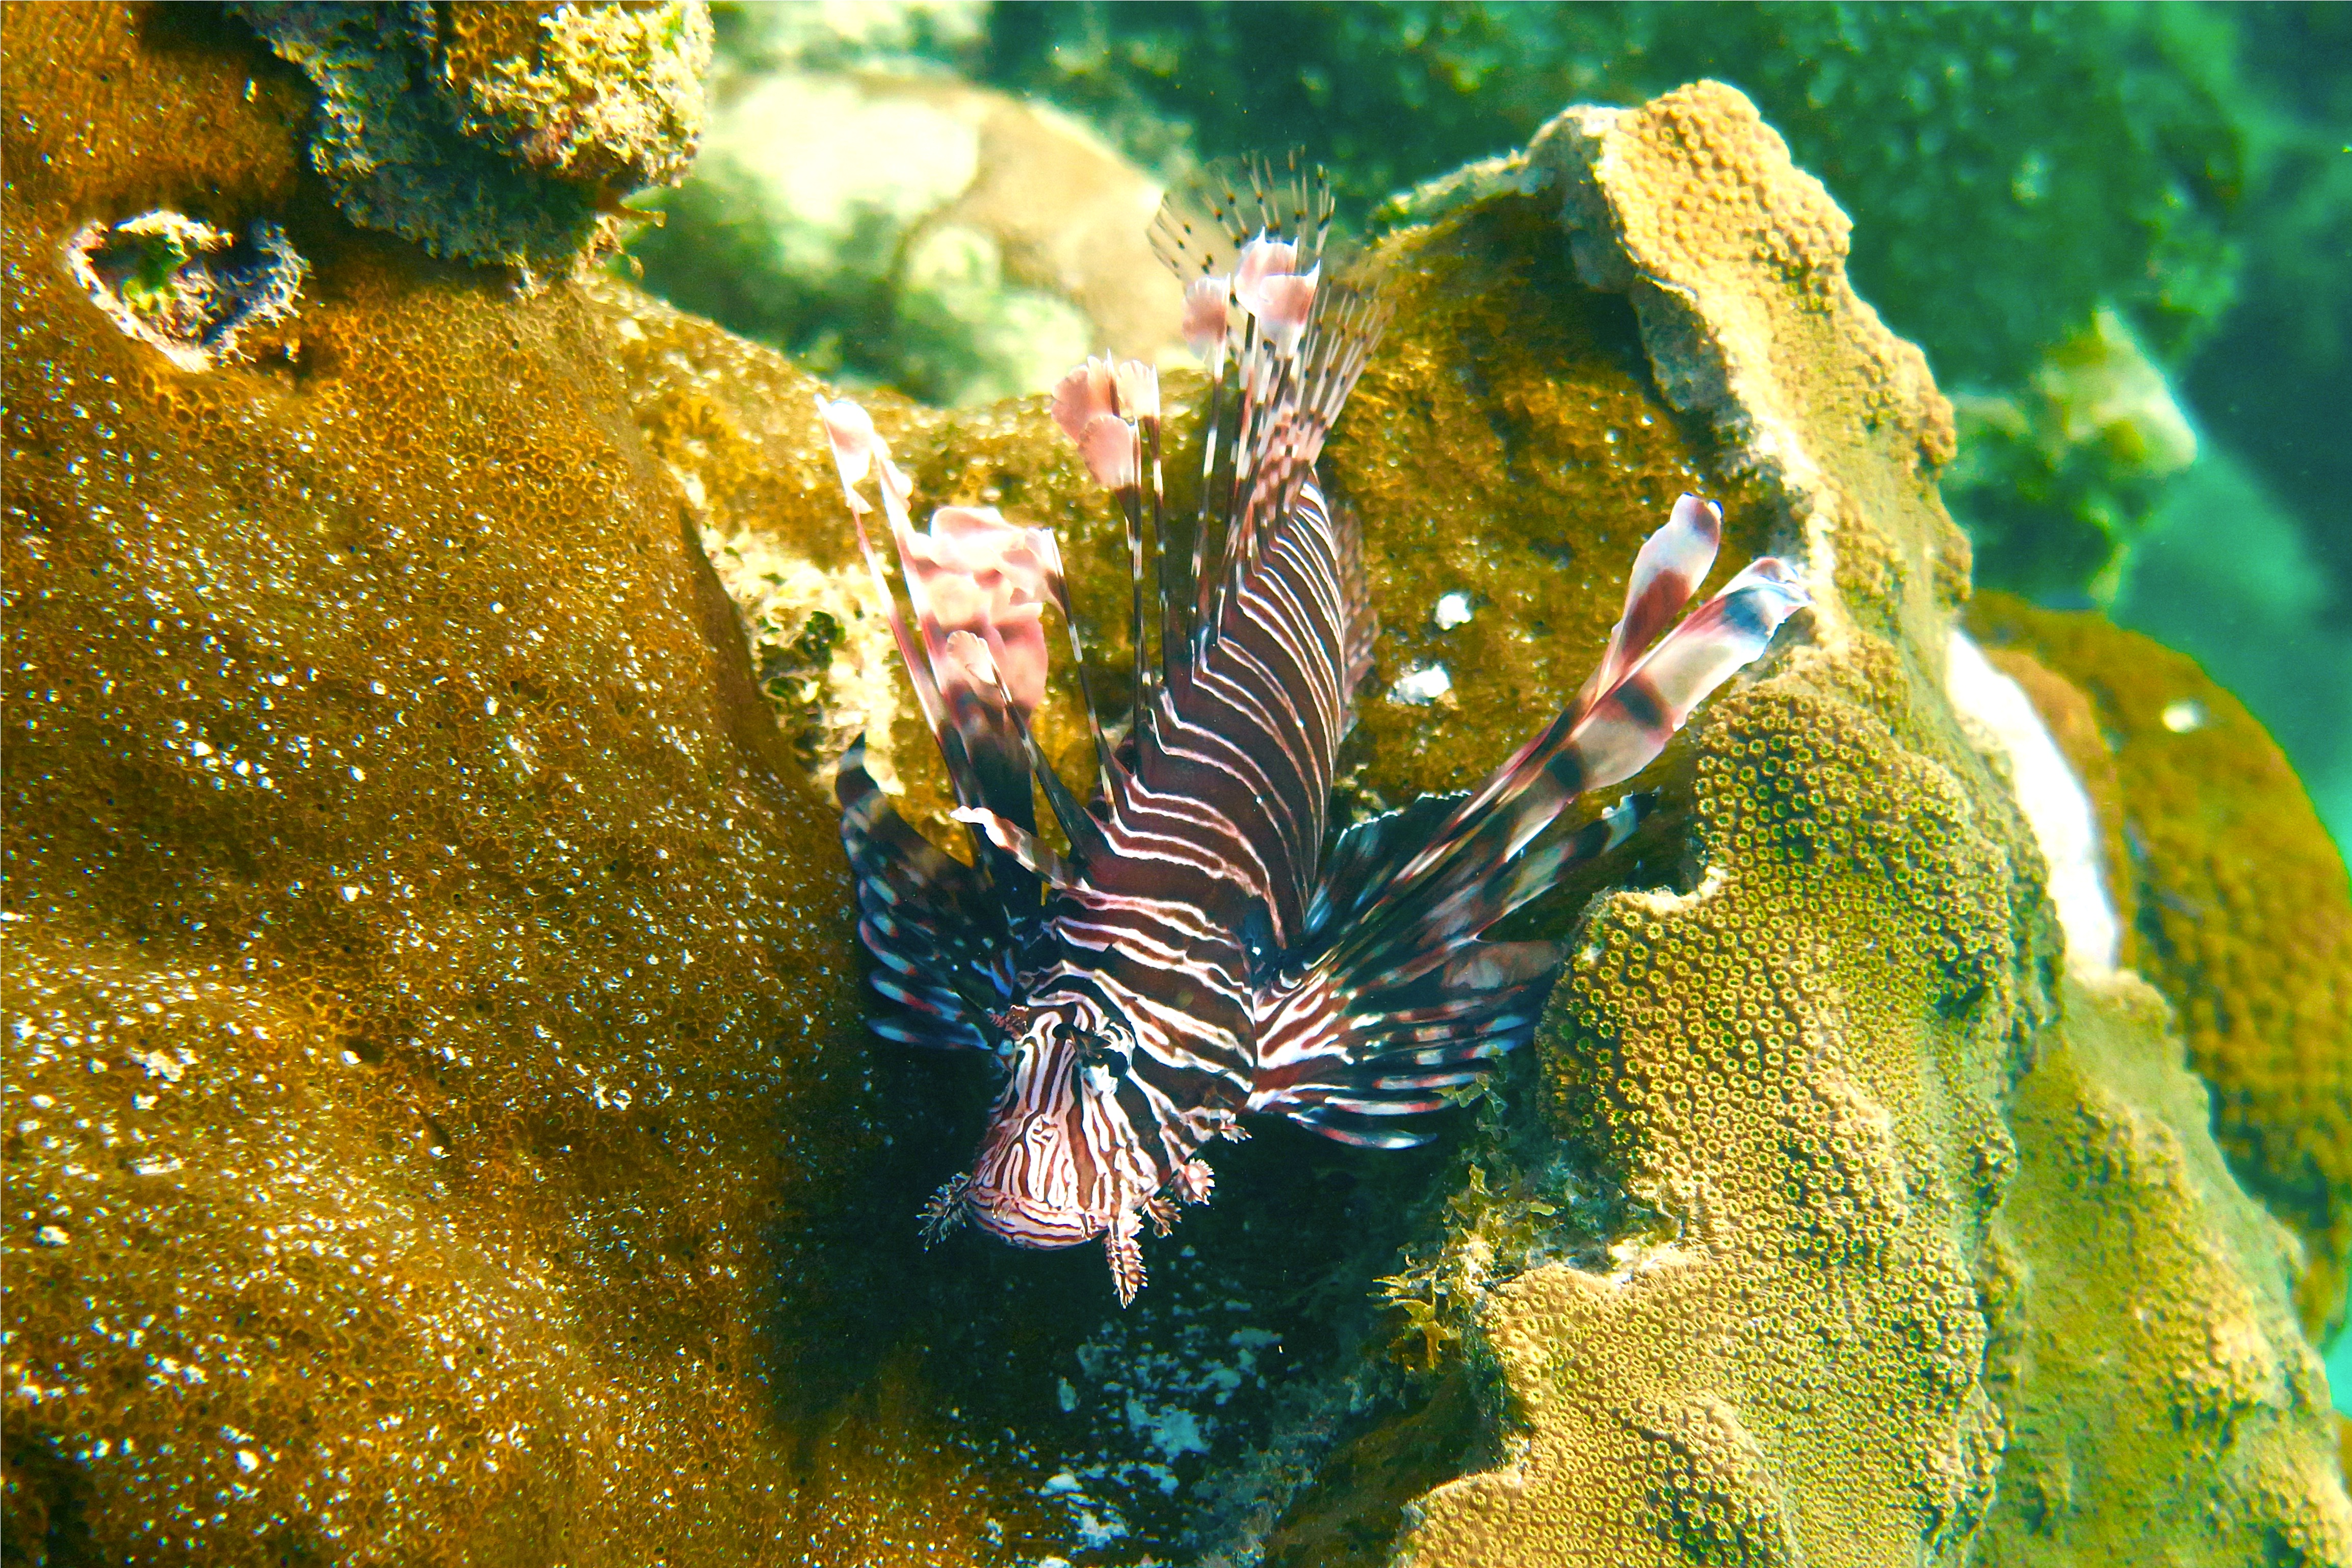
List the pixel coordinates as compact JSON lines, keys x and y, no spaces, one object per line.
{"x":1199,"y":954}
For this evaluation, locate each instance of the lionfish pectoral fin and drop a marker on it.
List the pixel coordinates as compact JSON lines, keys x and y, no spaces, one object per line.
{"x":945,"y":1212}
{"x":941,"y":945}
{"x":1124,"y":1242}
{"x":1403,"y":1006}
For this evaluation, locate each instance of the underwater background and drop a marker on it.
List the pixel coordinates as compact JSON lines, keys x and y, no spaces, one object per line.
{"x":442,"y":1126}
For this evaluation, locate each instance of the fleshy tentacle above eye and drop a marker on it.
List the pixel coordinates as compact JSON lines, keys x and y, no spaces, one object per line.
{"x":1393,"y":997}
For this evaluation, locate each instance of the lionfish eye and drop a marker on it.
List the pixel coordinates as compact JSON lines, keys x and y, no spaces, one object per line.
{"x":1257,"y":935}
{"x":1100,"y":1051}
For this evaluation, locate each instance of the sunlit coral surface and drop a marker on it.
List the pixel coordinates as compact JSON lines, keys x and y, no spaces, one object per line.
{"x":439,"y":1125}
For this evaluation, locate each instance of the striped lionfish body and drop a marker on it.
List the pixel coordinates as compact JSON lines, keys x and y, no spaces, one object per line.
{"x":1205,"y":951}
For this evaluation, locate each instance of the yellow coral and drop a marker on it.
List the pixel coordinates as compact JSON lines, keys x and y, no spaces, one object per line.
{"x":2243,"y":915}
{"x":2143,"y":1335}
{"x":1802,"y":1063}
{"x":1798,"y":1064}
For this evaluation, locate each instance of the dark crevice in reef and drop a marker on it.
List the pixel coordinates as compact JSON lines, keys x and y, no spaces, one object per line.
{"x":47,"y":1492}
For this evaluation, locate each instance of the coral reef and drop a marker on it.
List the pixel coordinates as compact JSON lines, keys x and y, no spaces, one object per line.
{"x":2201,"y":1343}
{"x":496,"y":133}
{"x":431,"y":1020}
{"x":2015,"y":166}
{"x":1799,"y":1065}
{"x":2241,"y":913}
{"x":439,"y":1124}
{"x":2224,"y":574}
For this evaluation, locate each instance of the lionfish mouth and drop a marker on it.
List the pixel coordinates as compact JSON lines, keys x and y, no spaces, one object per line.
{"x":1008,"y":1216}
{"x":1025,"y":1222}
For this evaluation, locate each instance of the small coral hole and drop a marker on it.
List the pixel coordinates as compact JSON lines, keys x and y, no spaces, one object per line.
{"x":185,"y":287}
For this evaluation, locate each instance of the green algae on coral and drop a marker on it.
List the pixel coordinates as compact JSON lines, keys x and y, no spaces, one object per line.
{"x":2013,"y":166}
{"x":2056,"y":481}
{"x":954,"y":243}
{"x":183,"y":287}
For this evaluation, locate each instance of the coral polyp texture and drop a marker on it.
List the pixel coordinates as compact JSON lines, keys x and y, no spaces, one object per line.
{"x":439,"y":1123}
{"x":1838,"y":1344}
{"x":2241,"y":910}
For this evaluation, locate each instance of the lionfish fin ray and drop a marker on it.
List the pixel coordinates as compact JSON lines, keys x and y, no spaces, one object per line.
{"x":940,"y":941}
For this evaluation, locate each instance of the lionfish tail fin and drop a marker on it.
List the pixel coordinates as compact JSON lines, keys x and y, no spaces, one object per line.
{"x":1667,"y":570}
{"x":1647,"y":684}
{"x":1284,"y":344}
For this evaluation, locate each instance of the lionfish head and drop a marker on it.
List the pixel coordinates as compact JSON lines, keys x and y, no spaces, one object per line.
{"x":1058,"y":1163}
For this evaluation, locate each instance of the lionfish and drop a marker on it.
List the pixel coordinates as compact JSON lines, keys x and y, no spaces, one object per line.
{"x":1204,"y":949}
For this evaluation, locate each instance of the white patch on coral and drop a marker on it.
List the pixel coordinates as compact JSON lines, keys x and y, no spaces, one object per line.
{"x":1421,"y":685}
{"x":776,"y":592}
{"x":2050,"y":796}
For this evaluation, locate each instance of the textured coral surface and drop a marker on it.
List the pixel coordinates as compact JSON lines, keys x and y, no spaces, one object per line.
{"x":496,"y":132}
{"x":2243,"y":916}
{"x":438,"y":1124}
{"x":1797,"y":1068}
{"x":431,"y":1015}
{"x":2182,"y":1431}
{"x":1800,"y":1065}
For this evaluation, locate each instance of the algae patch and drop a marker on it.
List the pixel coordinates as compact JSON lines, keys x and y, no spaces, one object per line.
{"x":503,"y":134}
{"x":184,"y":288}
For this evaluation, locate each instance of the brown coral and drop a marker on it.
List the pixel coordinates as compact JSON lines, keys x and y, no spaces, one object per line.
{"x":432,"y":1018}
{"x":2243,"y":915}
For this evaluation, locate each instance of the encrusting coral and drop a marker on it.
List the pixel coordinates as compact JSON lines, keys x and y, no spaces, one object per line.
{"x":2194,"y":1397}
{"x":440,"y":1126}
{"x":432,"y":1024}
{"x":1800,"y":1065}
{"x":496,"y":133}
{"x":2241,"y":910}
